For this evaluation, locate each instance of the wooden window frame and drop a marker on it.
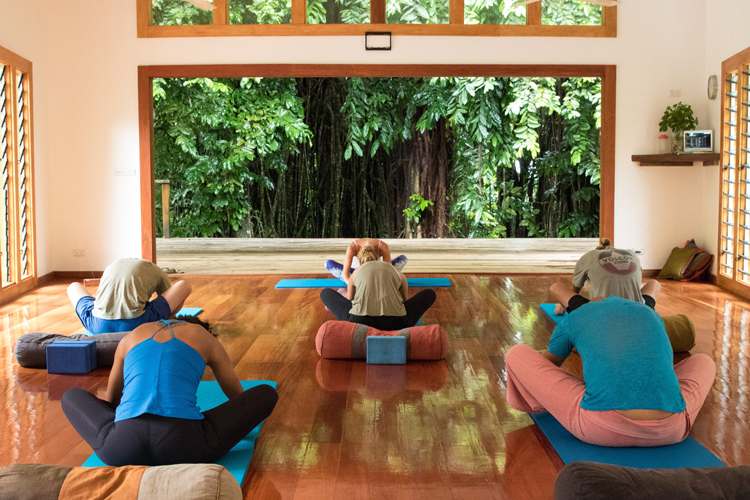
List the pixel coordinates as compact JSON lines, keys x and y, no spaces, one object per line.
{"x":20,"y":284}
{"x":736,"y":63}
{"x":299,"y":26}
{"x":146,"y":74}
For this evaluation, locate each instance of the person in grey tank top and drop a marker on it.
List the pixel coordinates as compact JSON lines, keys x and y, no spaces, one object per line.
{"x":377,"y":296}
{"x":609,"y":271}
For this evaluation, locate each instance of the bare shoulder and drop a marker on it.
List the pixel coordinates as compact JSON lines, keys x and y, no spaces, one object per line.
{"x":196,"y":337}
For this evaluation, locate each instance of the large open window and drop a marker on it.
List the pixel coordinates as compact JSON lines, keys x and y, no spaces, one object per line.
{"x":471,"y":76}
{"x":18,"y":260}
{"x":178,"y":18}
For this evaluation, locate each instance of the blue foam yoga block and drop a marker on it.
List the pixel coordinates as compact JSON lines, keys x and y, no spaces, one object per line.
{"x":71,"y":356}
{"x":386,"y":350}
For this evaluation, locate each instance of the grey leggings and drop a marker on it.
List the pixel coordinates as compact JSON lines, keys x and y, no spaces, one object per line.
{"x":156,"y":440}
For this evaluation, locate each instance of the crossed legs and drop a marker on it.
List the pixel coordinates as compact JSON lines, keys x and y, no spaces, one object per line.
{"x":535,"y":384}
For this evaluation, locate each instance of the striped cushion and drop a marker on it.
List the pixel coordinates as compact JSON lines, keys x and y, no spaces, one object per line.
{"x":345,"y":340}
{"x":184,"y":481}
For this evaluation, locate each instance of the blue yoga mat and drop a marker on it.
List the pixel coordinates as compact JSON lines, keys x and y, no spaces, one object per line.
{"x":210,"y":396}
{"x":688,"y":453}
{"x":189,"y":311}
{"x":334,"y":283}
{"x":550,"y":310}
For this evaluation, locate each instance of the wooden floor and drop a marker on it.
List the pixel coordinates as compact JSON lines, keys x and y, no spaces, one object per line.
{"x":346,"y":430}
{"x":281,"y":256}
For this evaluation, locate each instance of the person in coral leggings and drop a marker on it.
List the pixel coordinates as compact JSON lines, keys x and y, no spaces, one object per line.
{"x":631,"y":394}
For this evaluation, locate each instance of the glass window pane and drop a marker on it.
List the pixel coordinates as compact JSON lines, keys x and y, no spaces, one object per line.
{"x":417,"y":11}
{"x":178,"y":13}
{"x":338,"y":11}
{"x":260,"y":11}
{"x":4,"y":181}
{"x":571,"y":13}
{"x":23,"y":207}
{"x":493,"y":12}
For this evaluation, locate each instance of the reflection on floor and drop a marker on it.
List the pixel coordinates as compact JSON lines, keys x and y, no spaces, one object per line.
{"x":343,"y":429}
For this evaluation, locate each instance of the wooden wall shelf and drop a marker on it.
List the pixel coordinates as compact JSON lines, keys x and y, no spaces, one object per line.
{"x":677,"y":160}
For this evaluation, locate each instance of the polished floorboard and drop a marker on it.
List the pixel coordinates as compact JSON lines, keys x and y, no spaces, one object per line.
{"x":346,"y":430}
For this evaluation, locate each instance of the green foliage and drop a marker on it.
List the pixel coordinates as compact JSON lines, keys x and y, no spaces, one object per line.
{"x":678,"y":118}
{"x":418,"y":206}
{"x":571,"y":13}
{"x":260,"y":11}
{"x":417,"y":11}
{"x":178,"y":12}
{"x":493,"y":12}
{"x":338,"y":11}
{"x":215,"y":138}
{"x":524,"y":153}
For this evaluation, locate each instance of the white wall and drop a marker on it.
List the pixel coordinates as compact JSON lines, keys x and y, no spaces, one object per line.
{"x":86,"y":53}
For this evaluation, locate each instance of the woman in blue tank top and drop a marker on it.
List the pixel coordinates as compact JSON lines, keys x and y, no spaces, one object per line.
{"x":150,"y":415}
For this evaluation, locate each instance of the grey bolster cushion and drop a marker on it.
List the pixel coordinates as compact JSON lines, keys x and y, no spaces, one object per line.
{"x":31,"y":348}
{"x":588,"y":481}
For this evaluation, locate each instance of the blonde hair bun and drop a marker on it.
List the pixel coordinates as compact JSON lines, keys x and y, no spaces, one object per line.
{"x":367,"y":254}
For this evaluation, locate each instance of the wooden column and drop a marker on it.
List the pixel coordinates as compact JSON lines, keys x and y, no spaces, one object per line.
{"x":164,"y":207}
{"x":221,"y":13}
{"x":534,"y":14}
{"x":377,"y":11}
{"x":299,"y":11}
{"x":146,"y":149}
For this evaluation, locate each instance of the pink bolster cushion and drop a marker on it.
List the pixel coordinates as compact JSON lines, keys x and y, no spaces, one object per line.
{"x":345,"y":340}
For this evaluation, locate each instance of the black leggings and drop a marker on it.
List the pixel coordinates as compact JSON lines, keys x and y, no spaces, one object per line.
{"x":156,"y":440}
{"x":415,"y":308}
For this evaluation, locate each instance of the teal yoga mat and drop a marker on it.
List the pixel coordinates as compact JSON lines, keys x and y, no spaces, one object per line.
{"x":334,"y":283}
{"x":688,"y":453}
{"x":550,"y":310}
{"x":189,"y":311}
{"x":210,"y":396}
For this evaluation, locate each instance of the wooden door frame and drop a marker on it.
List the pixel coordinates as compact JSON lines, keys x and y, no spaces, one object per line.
{"x":736,"y":62}
{"x":22,"y":284}
{"x":146,"y":74}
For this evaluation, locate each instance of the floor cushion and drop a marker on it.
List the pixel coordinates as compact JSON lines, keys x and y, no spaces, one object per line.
{"x":345,"y":340}
{"x":681,"y":332}
{"x":589,"y":481}
{"x":183,"y":481}
{"x":677,"y":262}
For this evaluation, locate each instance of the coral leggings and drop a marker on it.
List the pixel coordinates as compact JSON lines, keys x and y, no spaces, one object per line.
{"x":535,"y":384}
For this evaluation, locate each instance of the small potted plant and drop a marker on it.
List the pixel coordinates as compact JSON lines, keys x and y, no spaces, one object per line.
{"x":678,"y":119}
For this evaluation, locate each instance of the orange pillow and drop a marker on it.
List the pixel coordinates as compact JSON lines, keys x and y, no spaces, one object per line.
{"x":345,"y":340}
